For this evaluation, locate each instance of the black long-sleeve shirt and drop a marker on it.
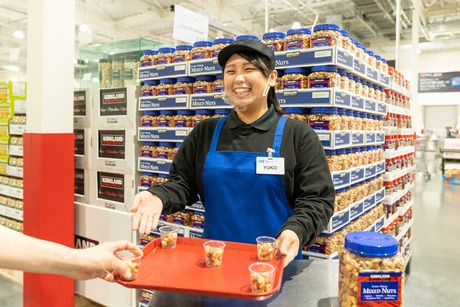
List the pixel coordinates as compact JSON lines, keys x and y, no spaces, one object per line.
{"x":307,"y":180}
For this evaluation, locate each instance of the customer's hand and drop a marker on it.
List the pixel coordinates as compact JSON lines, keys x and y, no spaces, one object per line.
{"x":147,"y":210}
{"x":288,"y":244}
{"x":100,"y":262}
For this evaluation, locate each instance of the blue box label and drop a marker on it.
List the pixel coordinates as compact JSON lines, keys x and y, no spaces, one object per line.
{"x":304,"y":57}
{"x":195,"y":234}
{"x":357,"y":175}
{"x":163,"y":71}
{"x":342,"y":138}
{"x":357,"y":102}
{"x":356,"y":210}
{"x":299,"y":98}
{"x":341,"y":179}
{"x":358,"y":138}
{"x":380,"y":168}
{"x":372,"y":73}
{"x":379,"y":286}
{"x":165,"y":135}
{"x":380,"y":137}
{"x":370,"y":171}
{"x":325,"y":138}
{"x":155,"y":165}
{"x":342,"y":99}
{"x":370,"y":137}
{"x":369,"y":202}
{"x":207,"y":100}
{"x":204,"y":67}
{"x":359,"y":66}
{"x":173,"y":102}
{"x":148,"y":103}
{"x":384,"y":78}
{"x":369,"y":105}
{"x":340,"y":220}
{"x":379,"y":196}
{"x":379,"y":224}
{"x":344,"y":58}
{"x":382,"y":108}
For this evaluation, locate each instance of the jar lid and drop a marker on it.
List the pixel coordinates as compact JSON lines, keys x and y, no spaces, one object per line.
{"x":202,"y":44}
{"x":151,"y":82}
{"x":150,"y":113}
{"x":203,"y":112}
{"x":327,"y":26}
{"x":105,"y":61}
{"x":369,"y":52}
{"x":185,"y":112}
{"x":340,"y":151}
{"x":293,"y":111}
{"x":356,"y":78}
{"x":149,"y":52}
{"x":168,"y":80}
{"x":317,"y":110}
{"x":205,"y":78}
{"x":350,"y":75}
{"x":363,"y":82}
{"x":178,"y":144}
{"x":329,"y":152}
{"x":384,"y":61}
{"x":341,"y":111}
{"x":163,"y":175}
{"x":167,"y":112}
{"x":148,"y":143}
{"x":344,"y":33}
{"x":146,"y":174}
{"x":269,"y":35}
{"x":330,"y":68}
{"x":378,"y":57}
{"x":223,"y":111}
{"x":342,"y":72}
{"x":280,"y":72}
{"x":166,"y":144}
{"x":223,"y":40}
{"x":358,"y":44}
{"x":243,"y":37}
{"x":219,"y":76}
{"x":186,"y":79}
{"x":184,"y":47}
{"x":166,"y":50}
{"x":296,"y":70}
{"x":299,"y":31}
{"x":349,"y":112}
{"x":371,"y":244}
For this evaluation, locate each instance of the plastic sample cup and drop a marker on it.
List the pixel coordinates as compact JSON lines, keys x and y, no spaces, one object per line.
{"x":213,"y":253}
{"x":133,"y":260}
{"x":261,"y":275}
{"x":168,"y":236}
{"x":265,"y":248}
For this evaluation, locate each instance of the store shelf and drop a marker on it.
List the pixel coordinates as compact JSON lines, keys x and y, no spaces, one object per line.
{"x":398,"y":110}
{"x":204,"y":67}
{"x":20,"y":106}
{"x":403,"y":230}
{"x":398,"y":131}
{"x":170,"y":102}
{"x":394,"y":153}
{"x":15,"y":171}
{"x":404,"y":246}
{"x":163,"y":71}
{"x":15,"y":150}
{"x":208,"y":101}
{"x":407,"y":258}
{"x":399,"y":89}
{"x":11,"y":213}
{"x":184,"y":231}
{"x":11,"y":191}
{"x":16,"y":129}
{"x":377,"y":225}
{"x":390,"y":199}
{"x":158,"y":166}
{"x":162,"y":134}
{"x":343,"y":179}
{"x":344,"y":139}
{"x":393,"y":175}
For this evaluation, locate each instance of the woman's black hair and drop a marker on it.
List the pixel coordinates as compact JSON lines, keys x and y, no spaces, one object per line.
{"x":266,"y":67}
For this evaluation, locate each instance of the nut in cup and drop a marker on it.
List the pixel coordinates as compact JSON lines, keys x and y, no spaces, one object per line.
{"x":213,"y":253}
{"x":261,"y":274}
{"x":168,"y":236}
{"x":133,"y":260}
{"x":265,"y":248}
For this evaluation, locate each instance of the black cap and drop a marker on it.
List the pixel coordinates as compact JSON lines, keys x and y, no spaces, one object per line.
{"x":246,"y":45}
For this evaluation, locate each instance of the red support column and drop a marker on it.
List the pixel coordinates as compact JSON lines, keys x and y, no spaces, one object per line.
{"x":49,"y":210}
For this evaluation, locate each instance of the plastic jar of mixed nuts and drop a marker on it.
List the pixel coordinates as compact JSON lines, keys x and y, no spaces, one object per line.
{"x":371,"y":270}
{"x":146,"y":180}
{"x":218,"y":84}
{"x":117,"y":73}
{"x":130,"y":67}
{"x":246,"y":36}
{"x":201,"y":50}
{"x":378,"y":62}
{"x":358,"y":86}
{"x":345,"y":41}
{"x":166,"y":118}
{"x":332,"y":160}
{"x":351,"y":83}
{"x":296,"y":113}
{"x":326,"y":35}
{"x":274,"y":40}
{"x":164,"y":56}
{"x":295,"y":78}
{"x":359,"y":52}
{"x":371,"y":60}
{"x":164,"y":150}
{"x":219,"y":44}
{"x":175,"y":150}
{"x":166,"y":87}
{"x":148,"y":150}
{"x":183,"y":86}
{"x":365,"y":55}
{"x":297,"y":39}
{"x":279,"y":84}
{"x":203,"y":84}
{"x":201,"y":115}
{"x":384,"y":66}
{"x":182,"y":54}
{"x":365,"y":88}
{"x":218,"y":113}
{"x":149,"y":119}
{"x":147,"y":58}
{"x":324,"y":76}
{"x":183,"y":118}
{"x":325,"y":119}
{"x":149,"y":88}
{"x":105,"y":73}
{"x":344,"y":81}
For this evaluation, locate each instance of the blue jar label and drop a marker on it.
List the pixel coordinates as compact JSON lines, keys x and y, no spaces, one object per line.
{"x":295,"y":44}
{"x":319,"y":82}
{"x":379,"y":289}
{"x":325,"y":41}
{"x":319,"y":124}
{"x":291,"y":84}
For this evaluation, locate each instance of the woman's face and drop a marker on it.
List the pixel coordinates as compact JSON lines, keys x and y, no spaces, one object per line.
{"x":244,"y":83}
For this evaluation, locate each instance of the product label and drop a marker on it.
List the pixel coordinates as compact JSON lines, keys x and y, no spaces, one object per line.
{"x":79,"y":141}
{"x":178,"y":58}
{"x":319,"y":82}
{"x":182,"y":90}
{"x":180,"y":123}
{"x":325,"y":41}
{"x":146,"y":62}
{"x":379,"y":289}
{"x":291,"y":84}
{"x":128,"y":74}
{"x":200,"y":89}
{"x":277,"y":46}
{"x":79,"y":103}
{"x":79,"y":187}
{"x":199,"y":55}
{"x":161,"y":59}
{"x":163,"y":122}
{"x":113,"y":102}
{"x":319,"y":124}
{"x":163,"y":91}
{"x":112,"y":144}
{"x":111,"y":186}
{"x":294,"y":44}
{"x":116,"y":73}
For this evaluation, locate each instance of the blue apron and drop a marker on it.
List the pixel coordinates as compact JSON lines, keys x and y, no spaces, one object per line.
{"x":240,"y":204}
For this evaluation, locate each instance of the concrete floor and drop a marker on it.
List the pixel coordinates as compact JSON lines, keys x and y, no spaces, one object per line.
{"x":435,"y":268}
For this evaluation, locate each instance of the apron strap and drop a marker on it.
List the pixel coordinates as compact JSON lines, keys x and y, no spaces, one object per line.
{"x":279,"y":135}
{"x":215,"y":136}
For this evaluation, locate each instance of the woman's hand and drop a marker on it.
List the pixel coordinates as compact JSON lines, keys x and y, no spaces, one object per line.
{"x":288,"y":244}
{"x":147,"y":209}
{"x":101,"y":262}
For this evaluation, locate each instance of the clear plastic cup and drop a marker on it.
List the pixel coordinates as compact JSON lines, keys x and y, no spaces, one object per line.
{"x":261,"y":275}
{"x":168,"y":236}
{"x":213,"y":253}
{"x":133,"y":260}
{"x":265,"y":248}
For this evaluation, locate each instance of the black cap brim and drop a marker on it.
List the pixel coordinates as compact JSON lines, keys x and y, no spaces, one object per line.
{"x":248,"y":45}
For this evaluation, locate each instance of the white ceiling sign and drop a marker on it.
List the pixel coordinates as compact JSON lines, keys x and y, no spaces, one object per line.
{"x":189,"y":26}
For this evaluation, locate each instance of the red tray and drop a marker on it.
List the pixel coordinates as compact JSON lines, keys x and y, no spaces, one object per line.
{"x":183,"y":270}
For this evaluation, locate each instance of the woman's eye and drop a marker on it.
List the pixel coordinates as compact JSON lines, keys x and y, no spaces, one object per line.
{"x":249,"y":69}
{"x":229,"y":71}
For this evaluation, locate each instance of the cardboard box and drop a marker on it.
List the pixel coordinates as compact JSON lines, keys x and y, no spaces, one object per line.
{"x":112,"y":190}
{"x":94,"y":225}
{"x":116,"y":108}
{"x":83,"y":145}
{"x":82,"y":109}
{"x":83,"y":184}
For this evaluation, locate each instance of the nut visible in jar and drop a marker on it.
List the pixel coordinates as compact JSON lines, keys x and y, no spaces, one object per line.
{"x":297,"y":39}
{"x":183,"y":86}
{"x":166,"y":87}
{"x":164,"y":56}
{"x":325,"y":35}
{"x":201,"y":50}
{"x":213,"y":253}
{"x":182,"y":54}
{"x":274,"y":40}
{"x":324,"y":76}
{"x":218,"y":84}
{"x":219,"y":44}
{"x":203,"y":85}
{"x":294,"y":78}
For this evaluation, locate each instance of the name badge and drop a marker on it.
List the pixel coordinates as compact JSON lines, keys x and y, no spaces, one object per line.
{"x":270,"y":166}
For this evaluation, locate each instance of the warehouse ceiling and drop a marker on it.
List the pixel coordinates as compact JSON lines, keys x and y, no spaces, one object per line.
{"x":371,"y":21}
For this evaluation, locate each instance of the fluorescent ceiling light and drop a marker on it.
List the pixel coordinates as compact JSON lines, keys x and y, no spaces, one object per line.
{"x":296,"y":25}
{"x":84,"y":28}
{"x":18,"y":34}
